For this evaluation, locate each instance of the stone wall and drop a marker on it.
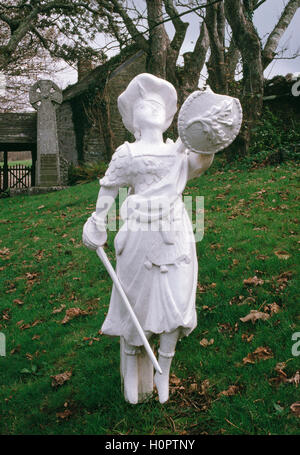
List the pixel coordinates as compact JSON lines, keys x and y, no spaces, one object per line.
{"x":80,"y":135}
{"x":117,"y":84}
{"x":66,"y":132}
{"x":94,"y":147}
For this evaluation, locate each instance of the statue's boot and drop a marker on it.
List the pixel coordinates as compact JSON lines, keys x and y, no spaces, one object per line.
{"x":131,"y":378}
{"x":162,"y":380}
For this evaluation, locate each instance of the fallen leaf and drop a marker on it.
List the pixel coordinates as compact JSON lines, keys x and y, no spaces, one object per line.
{"x":193,"y":387}
{"x":58,"y":310}
{"x":174,"y":380}
{"x":204,"y":342}
{"x":232,"y":390}
{"x":18,"y":302}
{"x":64,"y":415}
{"x":280,"y":366}
{"x":61,"y":378}
{"x":273,"y":308}
{"x":72,"y":313}
{"x":295,"y":379}
{"x":16,"y":349}
{"x":253,"y":281}
{"x":4,"y":253}
{"x":201,"y":288}
{"x":247,"y":338}
{"x":36,"y":322}
{"x":282,"y":255}
{"x":261,"y":353}
{"x":254,"y":315}
{"x":204,"y":387}
{"x":295,"y":408}
{"x":284,"y":276}
{"x":247,"y":301}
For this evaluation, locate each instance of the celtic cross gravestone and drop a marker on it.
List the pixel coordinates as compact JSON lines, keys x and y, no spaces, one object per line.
{"x":45,"y":96}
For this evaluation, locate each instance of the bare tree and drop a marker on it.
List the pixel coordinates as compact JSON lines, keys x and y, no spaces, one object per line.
{"x":27,"y":23}
{"x":255,"y":58}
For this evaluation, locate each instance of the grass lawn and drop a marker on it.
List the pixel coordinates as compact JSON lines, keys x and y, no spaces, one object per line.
{"x":251,"y":230}
{"x":13,"y":163}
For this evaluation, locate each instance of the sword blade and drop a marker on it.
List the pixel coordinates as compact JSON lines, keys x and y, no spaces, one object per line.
{"x":102,"y":255}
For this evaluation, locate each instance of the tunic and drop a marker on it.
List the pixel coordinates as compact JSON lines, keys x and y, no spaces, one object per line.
{"x":155,"y":248}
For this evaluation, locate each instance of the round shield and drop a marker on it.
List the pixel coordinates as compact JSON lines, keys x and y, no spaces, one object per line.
{"x":207,"y":122}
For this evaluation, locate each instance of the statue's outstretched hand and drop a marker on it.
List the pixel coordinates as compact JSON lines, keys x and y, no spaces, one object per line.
{"x":93,"y":235}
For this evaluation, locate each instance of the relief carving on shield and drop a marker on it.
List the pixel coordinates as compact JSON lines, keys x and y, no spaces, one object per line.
{"x":208,"y":122}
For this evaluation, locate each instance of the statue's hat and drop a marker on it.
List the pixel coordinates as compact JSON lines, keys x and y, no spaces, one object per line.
{"x":147,"y":87}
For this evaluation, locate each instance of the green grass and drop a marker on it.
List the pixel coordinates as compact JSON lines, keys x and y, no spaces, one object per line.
{"x":248,"y":217}
{"x":13,"y":163}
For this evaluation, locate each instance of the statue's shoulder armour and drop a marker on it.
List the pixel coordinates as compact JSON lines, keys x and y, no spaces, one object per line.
{"x":119,"y":169}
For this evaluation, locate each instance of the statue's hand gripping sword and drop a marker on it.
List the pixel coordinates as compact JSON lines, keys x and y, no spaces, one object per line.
{"x":102,"y":255}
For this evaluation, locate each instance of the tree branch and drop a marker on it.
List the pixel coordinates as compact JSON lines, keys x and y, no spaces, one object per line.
{"x":135,"y":34}
{"x":179,"y":25}
{"x":271,"y":45}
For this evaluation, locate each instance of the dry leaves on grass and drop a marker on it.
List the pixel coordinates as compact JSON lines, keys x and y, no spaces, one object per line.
{"x":5,"y":253}
{"x":64,"y":415}
{"x":282,"y":255}
{"x":61,"y":378}
{"x":16,"y":349}
{"x":232,"y":390}
{"x":272,"y":308}
{"x":247,"y":338}
{"x":294,"y":379}
{"x":247,"y":301}
{"x":59,"y":310}
{"x":72,"y":313}
{"x":254,"y":315}
{"x":282,"y":280}
{"x":295,"y":408}
{"x":254,"y":281}
{"x":23,"y":326}
{"x":204,"y":342}
{"x":261,"y":353}
{"x":282,"y":376}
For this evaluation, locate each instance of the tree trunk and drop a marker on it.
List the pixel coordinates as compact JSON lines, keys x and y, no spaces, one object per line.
{"x":158,"y":40}
{"x":217,"y":74}
{"x":249,"y":45}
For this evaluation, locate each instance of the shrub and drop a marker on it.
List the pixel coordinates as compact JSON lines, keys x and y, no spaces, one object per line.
{"x":86,"y":172}
{"x":274,"y":140}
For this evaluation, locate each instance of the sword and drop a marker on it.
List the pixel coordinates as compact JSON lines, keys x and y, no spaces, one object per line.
{"x":102,"y":255}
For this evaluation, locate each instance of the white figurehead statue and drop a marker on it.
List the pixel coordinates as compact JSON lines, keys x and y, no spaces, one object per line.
{"x":157,"y":265}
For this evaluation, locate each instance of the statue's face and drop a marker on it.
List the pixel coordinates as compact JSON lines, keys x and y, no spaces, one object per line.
{"x":149,"y":113}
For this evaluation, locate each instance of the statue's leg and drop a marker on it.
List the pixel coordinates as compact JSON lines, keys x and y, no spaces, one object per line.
{"x":166,"y":353}
{"x":130,"y":373}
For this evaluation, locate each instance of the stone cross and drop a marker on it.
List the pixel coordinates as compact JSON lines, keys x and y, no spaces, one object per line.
{"x":45,"y":96}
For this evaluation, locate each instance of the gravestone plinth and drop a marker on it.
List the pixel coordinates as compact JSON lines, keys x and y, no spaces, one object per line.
{"x":45,"y":96}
